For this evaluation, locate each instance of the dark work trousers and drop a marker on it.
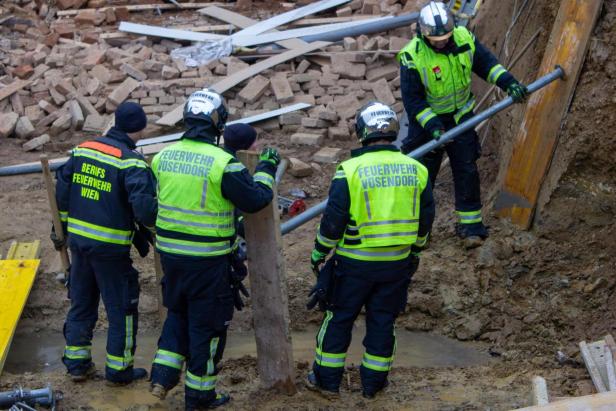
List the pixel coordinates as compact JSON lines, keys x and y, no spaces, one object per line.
{"x":383,"y":301}
{"x":463,"y":153}
{"x":95,"y":274}
{"x":198,"y":298}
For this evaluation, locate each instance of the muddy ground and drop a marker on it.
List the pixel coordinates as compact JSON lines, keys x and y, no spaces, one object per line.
{"x":521,"y":297}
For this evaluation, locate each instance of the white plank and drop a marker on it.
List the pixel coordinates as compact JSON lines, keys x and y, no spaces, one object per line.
{"x":540,"y":391}
{"x":174,"y":34}
{"x":592,"y":367}
{"x":244,"y":41}
{"x":228,"y":82}
{"x":240,"y":21}
{"x":287,"y":17}
{"x":611,"y":371}
{"x":246,"y":120}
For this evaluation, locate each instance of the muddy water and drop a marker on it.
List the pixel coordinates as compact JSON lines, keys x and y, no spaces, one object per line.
{"x":42,"y":352}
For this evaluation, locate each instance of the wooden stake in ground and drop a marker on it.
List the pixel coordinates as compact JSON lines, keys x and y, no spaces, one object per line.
{"x":269,"y":293}
{"x":55,"y":214}
{"x":535,"y":142}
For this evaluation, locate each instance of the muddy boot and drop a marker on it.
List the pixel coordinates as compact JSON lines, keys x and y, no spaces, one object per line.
{"x":158,"y":391}
{"x":472,"y":235}
{"x":370,"y":394}
{"x":220,"y":400}
{"x":137,"y":374}
{"x":313,"y":385}
{"x":83,"y":375}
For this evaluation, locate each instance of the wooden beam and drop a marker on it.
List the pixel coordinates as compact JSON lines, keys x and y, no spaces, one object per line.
{"x":269,"y":293}
{"x":175,"y":115}
{"x":144,"y":7}
{"x":534,"y":144}
{"x":596,"y":402}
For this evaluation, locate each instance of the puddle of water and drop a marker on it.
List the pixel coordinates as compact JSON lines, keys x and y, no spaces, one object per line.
{"x":42,"y":352}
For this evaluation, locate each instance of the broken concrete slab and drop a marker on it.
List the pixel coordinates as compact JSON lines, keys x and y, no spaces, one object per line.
{"x":61,"y":124}
{"x":254,"y":89}
{"x":327,"y":155}
{"x":281,"y":88}
{"x":388,"y":72}
{"x":121,"y":93}
{"x":8,"y":122}
{"x":298,"y":168}
{"x":382,"y":92}
{"x":24,"y":128}
{"x":77,"y":118}
{"x":133,"y":72}
{"x":36,"y":142}
{"x":307,"y":139}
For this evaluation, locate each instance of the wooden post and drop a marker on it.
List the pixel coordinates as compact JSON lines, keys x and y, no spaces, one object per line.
{"x":158,"y":269}
{"x":55,"y":214}
{"x":270,"y":306}
{"x":534,"y":144}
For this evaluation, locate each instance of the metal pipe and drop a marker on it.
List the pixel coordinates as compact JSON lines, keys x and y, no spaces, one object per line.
{"x":282,"y":167}
{"x":313,"y":212}
{"x":367,"y":28}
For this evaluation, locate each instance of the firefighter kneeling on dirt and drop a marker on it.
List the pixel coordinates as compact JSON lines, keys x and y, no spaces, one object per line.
{"x":199,"y":187}
{"x":435,"y":80}
{"x":378,"y":218}
{"x":102,"y":191}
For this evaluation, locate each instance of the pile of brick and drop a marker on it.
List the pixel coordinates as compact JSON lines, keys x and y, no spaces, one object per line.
{"x":63,"y":75}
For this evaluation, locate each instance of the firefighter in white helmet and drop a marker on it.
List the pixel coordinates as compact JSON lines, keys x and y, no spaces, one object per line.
{"x":435,"y":76}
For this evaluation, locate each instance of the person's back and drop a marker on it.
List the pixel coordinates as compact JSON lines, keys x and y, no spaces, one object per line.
{"x":189,"y":175}
{"x":199,"y":187}
{"x":103,"y":191}
{"x":378,"y":217}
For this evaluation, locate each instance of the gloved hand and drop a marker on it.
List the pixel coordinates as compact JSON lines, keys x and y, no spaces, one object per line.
{"x":270,"y":155}
{"x":517,"y":91}
{"x":57,"y":243}
{"x":317,"y":295}
{"x":436,"y":134}
{"x":316,"y":259}
{"x":236,"y":276}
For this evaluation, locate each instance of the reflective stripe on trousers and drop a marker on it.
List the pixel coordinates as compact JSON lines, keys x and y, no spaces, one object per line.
{"x":206,"y":383}
{"x":169,"y":359}
{"x":121,"y":363}
{"x":73,"y":352}
{"x":376,"y":363}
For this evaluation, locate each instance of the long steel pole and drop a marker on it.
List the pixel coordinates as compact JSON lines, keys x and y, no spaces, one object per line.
{"x":313,"y":212}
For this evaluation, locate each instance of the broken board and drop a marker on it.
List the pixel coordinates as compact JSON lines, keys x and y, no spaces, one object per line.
{"x":16,"y":279}
{"x":175,"y":115}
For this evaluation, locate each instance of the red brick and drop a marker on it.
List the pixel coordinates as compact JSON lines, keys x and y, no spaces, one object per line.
{"x":24,"y":71}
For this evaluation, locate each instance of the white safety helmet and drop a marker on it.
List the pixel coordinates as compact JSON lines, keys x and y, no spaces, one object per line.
{"x":375,"y":121}
{"x":436,"y":21}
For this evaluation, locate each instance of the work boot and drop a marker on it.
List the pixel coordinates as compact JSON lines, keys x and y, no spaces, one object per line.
{"x":138,"y":374}
{"x":370,"y":393}
{"x":158,"y":391}
{"x":472,"y":235}
{"x":220,"y":400}
{"x":313,"y":385}
{"x":83,"y":375}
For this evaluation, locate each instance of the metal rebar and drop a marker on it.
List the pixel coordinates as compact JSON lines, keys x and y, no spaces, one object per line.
{"x":313,"y":212}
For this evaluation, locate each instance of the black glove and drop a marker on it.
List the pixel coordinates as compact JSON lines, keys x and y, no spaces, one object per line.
{"x":517,"y":91}
{"x":142,"y":240}
{"x":237,"y":274}
{"x":318,"y":295}
{"x":57,"y":243}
